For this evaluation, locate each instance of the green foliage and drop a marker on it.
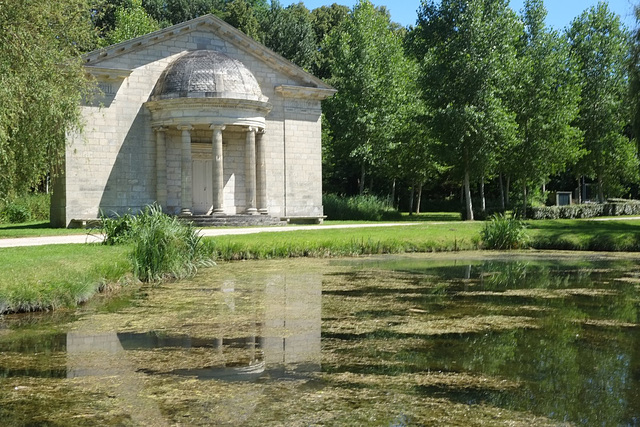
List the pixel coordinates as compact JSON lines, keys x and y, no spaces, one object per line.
{"x":30,"y":207}
{"x":545,"y":102}
{"x":502,"y":232}
{"x":467,"y":52}
{"x":15,"y":213}
{"x":41,"y":85}
{"x":288,"y":31}
{"x":599,"y":46}
{"x":591,"y":210}
{"x":163,"y":246}
{"x":373,"y":77}
{"x":365,"y":207}
{"x":130,"y":22}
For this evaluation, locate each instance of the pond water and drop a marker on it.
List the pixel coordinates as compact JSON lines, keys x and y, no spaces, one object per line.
{"x":457,"y":339}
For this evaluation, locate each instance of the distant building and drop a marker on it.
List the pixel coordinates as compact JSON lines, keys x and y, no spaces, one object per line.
{"x":201,"y":119}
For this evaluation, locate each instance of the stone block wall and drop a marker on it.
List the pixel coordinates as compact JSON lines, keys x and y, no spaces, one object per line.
{"x":111,"y":165}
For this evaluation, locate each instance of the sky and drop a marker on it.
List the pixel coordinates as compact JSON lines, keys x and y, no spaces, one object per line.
{"x":561,"y":12}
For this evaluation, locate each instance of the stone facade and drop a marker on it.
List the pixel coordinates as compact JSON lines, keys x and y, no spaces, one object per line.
{"x":220,"y":151}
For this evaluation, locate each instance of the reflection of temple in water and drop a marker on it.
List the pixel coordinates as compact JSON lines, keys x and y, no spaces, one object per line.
{"x":284,"y":338}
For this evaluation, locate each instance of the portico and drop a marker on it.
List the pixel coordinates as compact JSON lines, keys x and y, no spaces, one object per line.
{"x":207,"y":90}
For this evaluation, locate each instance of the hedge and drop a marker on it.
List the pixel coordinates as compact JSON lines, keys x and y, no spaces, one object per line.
{"x":590,"y":210}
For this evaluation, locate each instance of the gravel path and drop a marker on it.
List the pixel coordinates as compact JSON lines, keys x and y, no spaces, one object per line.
{"x":223,"y":231}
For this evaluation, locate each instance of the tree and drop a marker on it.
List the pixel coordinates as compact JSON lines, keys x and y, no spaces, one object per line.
{"x":130,"y":22}
{"x":545,"y":102}
{"x":242,"y":15}
{"x":370,"y":71}
{"x":599,"y":45}
{"x":323,"y":20}
{"x":634,"y":80}
{"x":467,"y":50}
{"x":288,"y":31}
{"x":41,"y":84}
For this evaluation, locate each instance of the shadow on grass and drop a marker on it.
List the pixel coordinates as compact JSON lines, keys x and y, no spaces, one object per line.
{"x":26,"y":226}
{"x":622,"y":235}
{"x":431,"y":217}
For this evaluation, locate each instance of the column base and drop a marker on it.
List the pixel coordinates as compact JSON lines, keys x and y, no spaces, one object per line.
{"x":263,"y":211}
{"x":185,"y":212}
{"x":251,"y":211}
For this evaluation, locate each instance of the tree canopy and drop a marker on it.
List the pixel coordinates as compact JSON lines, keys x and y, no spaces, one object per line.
{"x":467,"y":51}
{"x":599,"y":46}
{"x":41,"y":85}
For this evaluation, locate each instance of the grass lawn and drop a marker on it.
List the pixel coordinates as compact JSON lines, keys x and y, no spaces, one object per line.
{"x":51,"y":276}
{"x":36,"y":229}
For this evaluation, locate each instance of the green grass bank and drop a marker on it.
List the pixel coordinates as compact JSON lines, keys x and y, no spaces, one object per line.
{"x":48,"y":277}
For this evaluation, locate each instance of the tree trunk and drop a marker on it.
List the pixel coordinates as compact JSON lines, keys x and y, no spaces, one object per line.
{"x":483,"y":201}
{"x":467,"y":195}
{"x":524,"y":201}
{"x":506,"y":192}
{"x":362,"y":177}
{"x":411,"y":201}
{"x":600,"y":189}
{"x":501,"y":192}
{"x":393,"y":194}
{"x":419,"y":198}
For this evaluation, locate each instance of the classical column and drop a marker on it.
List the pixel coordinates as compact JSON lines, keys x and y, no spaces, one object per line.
{"x":161,"y":167}
{"x":261,"y":172}
{"x":217,"y":169}
{"x":186,"y":194}
{"x":250,"y":170}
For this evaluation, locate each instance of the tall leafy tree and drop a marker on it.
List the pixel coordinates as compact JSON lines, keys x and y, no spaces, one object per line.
{"x":467,"y":49}
{"x":370,"y":71}
{"x":41,"y":85}
{"x":288,"y":31}
{"x":244,"y":16}
{"x":599,"y":45}
{"x":634,"y":80}
{"x":130,"y":22}
{"x":323,"y":20}
{"x":545,"y":101}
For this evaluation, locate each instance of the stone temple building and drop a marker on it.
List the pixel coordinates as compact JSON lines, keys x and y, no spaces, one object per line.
{"x":201,"y":119}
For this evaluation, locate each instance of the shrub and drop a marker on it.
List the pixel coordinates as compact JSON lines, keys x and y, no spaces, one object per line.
{"x":589,"y":210}
{"x":163,"y":246}
{"x":116,"y":230}
{"x":30,"y":207}
{"x":502,"y":232}
{"x":364,"y":207}
{"x":15,"y":213}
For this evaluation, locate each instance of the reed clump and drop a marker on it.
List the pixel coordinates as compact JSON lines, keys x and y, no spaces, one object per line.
{"x":163,"y":246}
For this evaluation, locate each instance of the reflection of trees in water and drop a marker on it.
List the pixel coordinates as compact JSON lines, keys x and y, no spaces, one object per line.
{"x":572,"y":368}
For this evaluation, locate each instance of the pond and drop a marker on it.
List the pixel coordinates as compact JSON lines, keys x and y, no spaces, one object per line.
{"x":453,"y":339}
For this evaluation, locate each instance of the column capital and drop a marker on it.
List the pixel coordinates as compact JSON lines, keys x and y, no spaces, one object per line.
{"x":253,"y":129}
{"x":184,"y":127}
{"x":218,"y":127}
{"x":160,"y":128}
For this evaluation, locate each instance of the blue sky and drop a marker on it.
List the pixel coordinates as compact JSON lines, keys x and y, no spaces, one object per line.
{"x":561,"y":12}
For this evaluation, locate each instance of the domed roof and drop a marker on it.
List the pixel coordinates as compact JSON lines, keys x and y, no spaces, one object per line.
{"x":207,"y":74}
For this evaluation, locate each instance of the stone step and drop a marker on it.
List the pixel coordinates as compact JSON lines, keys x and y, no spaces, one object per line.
{"x":233,"y":220}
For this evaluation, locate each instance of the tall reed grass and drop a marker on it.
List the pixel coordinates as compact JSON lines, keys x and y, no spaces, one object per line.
{"x":163,"y":246}
{"x":503,"y":232}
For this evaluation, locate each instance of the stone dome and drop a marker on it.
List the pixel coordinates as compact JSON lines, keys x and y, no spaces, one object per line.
{"x":207,"y":74}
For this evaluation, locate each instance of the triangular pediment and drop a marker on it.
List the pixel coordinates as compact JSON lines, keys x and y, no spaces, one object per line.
{"x":218,"y":28}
